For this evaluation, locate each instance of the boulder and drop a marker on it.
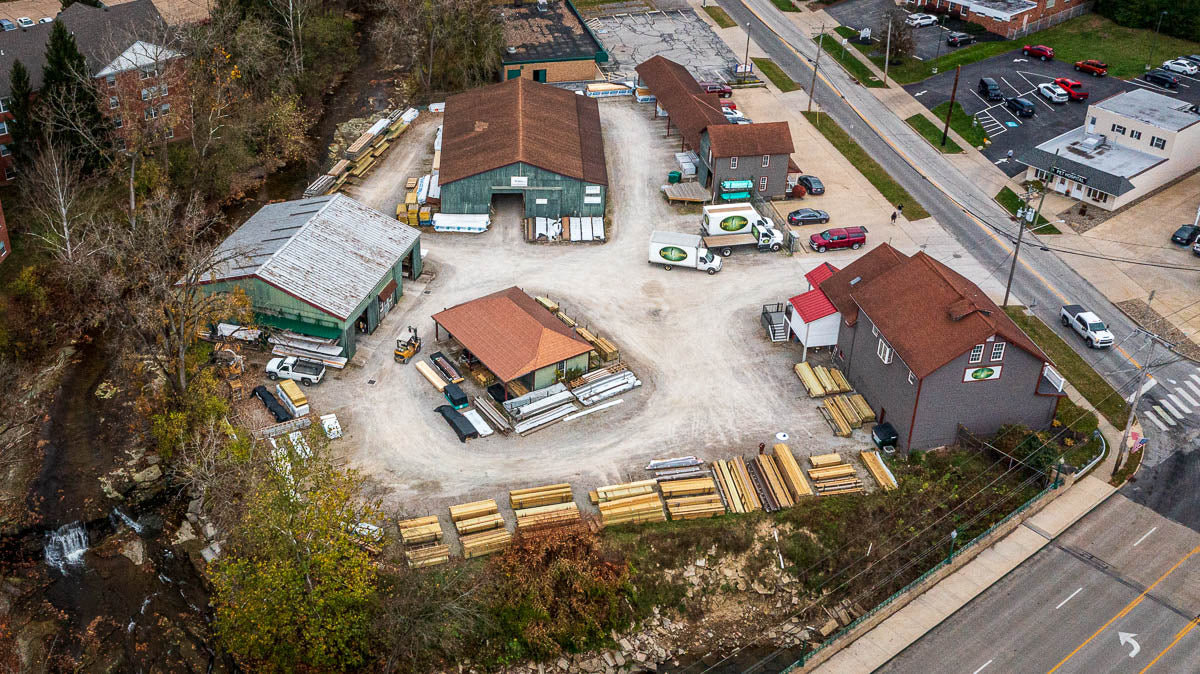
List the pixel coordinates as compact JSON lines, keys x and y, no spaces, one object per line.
{"x":151,"y":474}
{"x":135,"y":550}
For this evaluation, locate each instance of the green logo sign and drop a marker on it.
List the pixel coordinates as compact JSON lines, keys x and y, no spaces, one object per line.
{"x":734,"y":223}
{"x":672,"y":254}
{"x":983,"y":373}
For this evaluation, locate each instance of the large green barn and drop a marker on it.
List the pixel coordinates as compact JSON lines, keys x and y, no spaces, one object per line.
{"x":522,"y":137}
{"x":326,"y":267}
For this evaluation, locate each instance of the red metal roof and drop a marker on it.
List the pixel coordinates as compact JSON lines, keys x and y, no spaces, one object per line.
{"x":812,"y":305}
{"x":822,"y":272}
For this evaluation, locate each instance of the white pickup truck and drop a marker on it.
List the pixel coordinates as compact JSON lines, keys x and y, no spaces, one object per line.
{"x":1088,"y":325}
{"x":307,"y":372}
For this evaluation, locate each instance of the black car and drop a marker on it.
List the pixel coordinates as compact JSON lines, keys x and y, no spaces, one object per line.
{"x":812,"y":184}
{"x":1186,"y":235}
{"x":990,"y":89}
{"x":1162,"y":78}
{"x":959,"y":39}
{"x":1021,"y":107}
{"x":1194,"y":58}
{"x":808,"y":216}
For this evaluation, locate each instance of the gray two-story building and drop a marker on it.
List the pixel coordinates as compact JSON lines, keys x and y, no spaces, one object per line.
{"x":930,"y":351}
{"x":755,"y":152}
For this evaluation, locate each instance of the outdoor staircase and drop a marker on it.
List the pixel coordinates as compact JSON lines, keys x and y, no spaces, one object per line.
{"x":772,"y":319}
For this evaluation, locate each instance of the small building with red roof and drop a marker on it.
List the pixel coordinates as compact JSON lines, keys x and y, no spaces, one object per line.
{"x":812,"y":320}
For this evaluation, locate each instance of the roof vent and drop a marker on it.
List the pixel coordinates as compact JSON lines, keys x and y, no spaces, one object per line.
{"x":855,"y":280}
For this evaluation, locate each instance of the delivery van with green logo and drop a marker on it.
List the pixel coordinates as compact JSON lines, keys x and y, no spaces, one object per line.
{"x":672,"y":249}
{"x":724,"y":219}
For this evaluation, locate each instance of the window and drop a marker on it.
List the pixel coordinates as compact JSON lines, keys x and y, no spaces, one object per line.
{"x":762,"y":184}
{"x":5,"y":151}
{"x":117,"y":122}
{"x":1117,"y":128}
{"x":165,"y":108}
{"x":3,"y":128}
{"x":976,"y":354}
{"x":146,"y":93}
{"x":111,"y":80}
{"x":766,"y":160}
{"x":121,"y":144}
{"x":114,"y":102}
{"x":1041,"y":175}
{"x":912,"y":378}
{"x":998,"y":351}
{"x":164,"y":89}
{"x":884,"y":352}
{"x":151,"y":112}
{"x":1093,"y":121}
{"x":1049,"y":4}
{"x":170,"y":133}
{"x":4,"y":103}
{"x":147,"y":73}
{"x":733,"y":162}
{"x":1096,"y":195}
{"x":1158,"y":143}
{"x":10,"y":172}
{"x":1136,"y":135}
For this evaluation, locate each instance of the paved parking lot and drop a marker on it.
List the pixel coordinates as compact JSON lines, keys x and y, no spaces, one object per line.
{"x":1019,"y":76}
{"x":930,"y":40}
{"x":679,"y":35}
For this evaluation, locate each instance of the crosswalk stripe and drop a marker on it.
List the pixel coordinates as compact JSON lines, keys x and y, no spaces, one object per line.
{"x":1183,"y":394}
{"x":1164,"y":415}
{"x":1180,"y":405}
{"x":1164,"y":403}
{"x":1152,"y":417}
{"x":1193,"y":387}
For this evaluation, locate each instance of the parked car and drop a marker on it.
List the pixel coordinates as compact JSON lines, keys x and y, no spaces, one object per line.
{"x":990,"y":89}
{"x":1162,"y":78}
{"x":1020,"y":106}
{"x":7,"y":25}
{"x":812,"y":184}
{"x":1186,"y":235}
{"x":842,"y":237}
{"x":1087,"y":325}
{"x":717,"y":88}
{"x":742,"y":120}
{"x":959,"y":39}
{"x":45,"y":19}
{"x":1183,"y":66}
{"x":808,"y":216}
{"x":918,"y":20}
{"x":1072,"y":87}
{"x":25,"y":22}
{"x":1053,"y":92}
{"x":1041,"y":51}
{"x":728,"y":105}
{"x":1096,"y":68}
{"x":1194,"y":58}
{"x":1196,"y":249}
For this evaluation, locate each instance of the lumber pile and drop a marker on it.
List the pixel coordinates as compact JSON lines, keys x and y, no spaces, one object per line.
{"x":861,"y":407}
{"x":736,"y":487}
{"x":550,"y":304}
{"x":821,"y":381}
{"x":477,"y":516}
{"x":849,"y":411}
{"x":776,"y":491}
{"x":879,"y":470}
{"x":532,"y":497}
{"x":833,"y":415}
{"x":687,"y":487}
{"x":541,"y":517}
{"x":647,"y":507}
{"x":613,"y":492}
{"x":696,"y":507}
{"x":485,"y":543}
{"x":429,"y":555}
{"x":809,"y":378}
{"x":432,"y":376}
{"x":839,"y":380}
{"x":789,"y":471}
{"x":420,"y":530}
{"x":830,"y":475}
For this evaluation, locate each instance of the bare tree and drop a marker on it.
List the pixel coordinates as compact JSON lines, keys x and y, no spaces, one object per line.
{"x":62,"y":208}
{"x":293,"y":14}
{"x":449,"y":45}
{"x":902,"y":42}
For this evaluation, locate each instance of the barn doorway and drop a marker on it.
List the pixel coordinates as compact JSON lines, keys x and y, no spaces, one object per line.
{"x":508,"y":214}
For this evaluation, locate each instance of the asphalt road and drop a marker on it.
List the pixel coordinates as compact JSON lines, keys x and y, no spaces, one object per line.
{"x":930,"y":41}
{"x":1123,"y":570}
{"x":1043,"y":280}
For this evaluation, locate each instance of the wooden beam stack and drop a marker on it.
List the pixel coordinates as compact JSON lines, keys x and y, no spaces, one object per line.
{"x":830,"y":475}
{"x":879,"y":470}
{"x":696,"y":507}
{"x":734,"y":480}
{"x":689,"y":487}
{"x":613,"y":492}
{"x":777,"y":491}
{"x":539,"y":496}
{"x":542,"y":517}
{"x":632,"y":509}
{"x":790,"y":471}
{"x":809,"y":378}
{"x":472,"y":518}
{"x":860,"y":405}
{"x":837,"y":421}
{"x":429,"y":555}
{"x":839,"y":380}
{"x":420,"y":530}
{"x":485,"y":543}
{"x":848,"y":411}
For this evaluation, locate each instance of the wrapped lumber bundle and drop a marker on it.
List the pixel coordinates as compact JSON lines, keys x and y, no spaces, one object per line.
{"x":633,"y":509}
{"x":431,"y":555}
{"x":553,"y":515}
{"x":864,"y":410}
{"x":789,"y":470}
{"x":879,"y":470}
{"x":809,"y":378}
{"x":695,"y":507}
{"x":420,"y":530}
{"x":473,"y":510}
{"x":539,"y":496}
{"x":723,"y":478}
{"x":689,"y":487}
{"x":620,"y":491}
{"x":474,"y":525}
{"x":485,"y":543}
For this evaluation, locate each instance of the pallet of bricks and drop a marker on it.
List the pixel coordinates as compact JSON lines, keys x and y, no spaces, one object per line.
{"x":480,"y":528}
{"x":422,"y":537}
{"x":830,"y":475}
{"x":544,"y":507}
{"x":821,"y":381}
{"x":628,"y":503}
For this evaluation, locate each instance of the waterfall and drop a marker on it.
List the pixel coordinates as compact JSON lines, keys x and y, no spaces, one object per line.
{"x":65,"y":546}
{"x":129,"y":521}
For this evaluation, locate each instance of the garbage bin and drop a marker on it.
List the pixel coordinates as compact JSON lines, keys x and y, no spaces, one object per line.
{"x":674,"y":177}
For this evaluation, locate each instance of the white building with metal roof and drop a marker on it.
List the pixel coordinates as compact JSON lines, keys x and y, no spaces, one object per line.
{"x":327,"y":267}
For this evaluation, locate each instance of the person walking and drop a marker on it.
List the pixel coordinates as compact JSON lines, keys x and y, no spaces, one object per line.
{"x":894,"y":217}
{"x":762,"y":447}
{"x":900,"y":209}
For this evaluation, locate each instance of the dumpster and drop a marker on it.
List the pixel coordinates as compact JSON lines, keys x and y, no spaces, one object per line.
{"x":674,"y":177}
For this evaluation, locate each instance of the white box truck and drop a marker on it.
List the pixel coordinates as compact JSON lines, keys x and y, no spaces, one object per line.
{"x":672,"y":249}
{"x":762,"y":237}
{"x":723,"y":219}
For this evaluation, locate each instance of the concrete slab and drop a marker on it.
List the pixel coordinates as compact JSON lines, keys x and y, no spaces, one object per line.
{"x":679,"y":35}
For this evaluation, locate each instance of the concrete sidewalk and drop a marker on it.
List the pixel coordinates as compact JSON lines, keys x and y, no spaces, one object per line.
{"x":889,"y":638}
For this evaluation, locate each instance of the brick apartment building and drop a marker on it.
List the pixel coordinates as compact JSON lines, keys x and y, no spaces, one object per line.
{"x":138,"y":82}
{"x":5,"y":244}
{"x":1009,"y":18}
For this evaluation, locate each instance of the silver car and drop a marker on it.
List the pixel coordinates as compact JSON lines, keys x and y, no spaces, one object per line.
{"x":918,"y":20}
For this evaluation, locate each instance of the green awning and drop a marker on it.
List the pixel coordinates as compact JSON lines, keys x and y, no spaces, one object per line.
{"x":302,"y":327}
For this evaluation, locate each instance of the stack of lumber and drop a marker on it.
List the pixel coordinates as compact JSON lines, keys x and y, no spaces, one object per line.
{"x":733,"y":479}
{"x":777,"y":493}
{"x":647,"y":507}
{"x":570,"y":322}
{"x":789,"y":471}
{"x":532,"y":497}
{"x":696,"y":507}
{"x":848,"y":411}
{"x":494,"y":416}
{"x":604,"y":348}
{"x":420,"y":530}
{"x":541,"y":517}
{"x":430,"y":555}
{"x":836,"y":418}
{"x":431,"y":375}
{"x":860,"y":406}
{"x":879,"y":470}
{"x":839,"y":380}
{"x":688,"y":487}
{"x":550,"y":304}
{"x":477,"y":516}
{"x":830,"y":475}
{"x":613,"y":492}
{"x":809,"y":378}
{"x":484,"y":543}
{"x":596,"y":374}
{"x":821,"y":381}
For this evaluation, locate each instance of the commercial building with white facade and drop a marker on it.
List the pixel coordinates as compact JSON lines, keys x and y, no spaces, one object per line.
{"x":1129,"y":145}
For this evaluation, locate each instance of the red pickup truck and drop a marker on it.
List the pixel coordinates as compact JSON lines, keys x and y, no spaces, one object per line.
{"x":1072,"y":87}
{"x":1039,"y":50}
{"x":840,"y":237}
{"x":1096,"y":68}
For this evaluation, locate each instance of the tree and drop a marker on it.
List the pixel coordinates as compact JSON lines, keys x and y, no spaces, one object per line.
{"x":62,"y":214}
{"x":24,"y":127}
{"x":902,"y":42}
{"x":449,"y":45}
{"x":71,"y":103}
{"x":292,"y":15}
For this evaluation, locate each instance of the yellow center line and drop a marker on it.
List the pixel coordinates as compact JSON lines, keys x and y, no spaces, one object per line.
{"x":1125,"y":611}
{"x":979,"y":223}
{"x":1182,"y":633}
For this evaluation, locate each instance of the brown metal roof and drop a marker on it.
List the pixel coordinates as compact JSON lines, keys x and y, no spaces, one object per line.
{"x":680,"y":95}
{"x":744,"y":140}
{"x":837,"y":287}
{"x":522,"y":121}
{"x":511,"y":333}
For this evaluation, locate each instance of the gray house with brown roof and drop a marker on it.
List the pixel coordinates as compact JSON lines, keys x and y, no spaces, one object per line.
{"x":523,"y":138}
{"x":755,"y":152}
{"x":930,"y":351}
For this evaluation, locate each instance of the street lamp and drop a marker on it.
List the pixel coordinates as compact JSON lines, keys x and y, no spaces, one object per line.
{"x":953,"y":536}
{"x":1154,"y":42}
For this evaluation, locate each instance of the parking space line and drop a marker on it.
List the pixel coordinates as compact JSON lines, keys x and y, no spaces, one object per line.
{"x":1010,"y":85}
{"x":1153,"y":87}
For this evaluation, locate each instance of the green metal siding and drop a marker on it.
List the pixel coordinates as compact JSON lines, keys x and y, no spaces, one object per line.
{"x":546,"y":376}
{"x":564,"y":196}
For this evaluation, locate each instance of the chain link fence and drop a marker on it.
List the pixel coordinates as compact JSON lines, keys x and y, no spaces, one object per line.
{"x":1048,"y":21}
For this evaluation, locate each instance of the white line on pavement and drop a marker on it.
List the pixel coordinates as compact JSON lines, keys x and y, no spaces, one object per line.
{"x":1151,"y":383}
{"x":1193,"y":387}
{"x":1010,"y":85}
{"x":1060,"y":604}
{"x":1170,"y":409}
{"x":1144,"y":536}
{"x":1162,"y":413}
{"x":1179,"y":404}
{"x":1183,"y":394}
{"x":1161,"y":425}
{"x":982,"y":667}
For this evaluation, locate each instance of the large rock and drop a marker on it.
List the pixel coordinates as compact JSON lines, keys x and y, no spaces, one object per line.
{"x":135,"y":550}
{"x":151,"y":474}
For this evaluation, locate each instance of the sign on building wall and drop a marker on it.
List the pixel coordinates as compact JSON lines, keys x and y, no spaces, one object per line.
{"x":518,"y":181}
{"x":592,"y":200}
{"x":591,"y":189}
{"x":986,"y":373}
{"x":1081,"y":179}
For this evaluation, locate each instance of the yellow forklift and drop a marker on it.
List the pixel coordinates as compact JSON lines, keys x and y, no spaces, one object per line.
{"x":408,"y":347}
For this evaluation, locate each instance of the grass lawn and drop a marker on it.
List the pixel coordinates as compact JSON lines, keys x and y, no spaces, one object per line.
{"x":874,"y":173}
{"x":775,"y":74}
{"x":785,"y":5}
{"x":1011,"y":202}
{"x":962,"y":123}
{"x":1132,"y":461}
{"x":933,"y":134}
{"x":720,"y":16}
{"x":855,"y":67}
{"x":1089,"y":383}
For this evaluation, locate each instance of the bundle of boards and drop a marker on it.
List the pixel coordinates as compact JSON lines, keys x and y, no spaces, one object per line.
{"x":831,"y":475}
{"x":542,"y":507}
{"x":692,"y":498}
{"x":421,"y":537}
{"x":480,"y":527}
{"x":821,"y":381}
{"x":630,"y":502}
{"x":846,"y":413}
{"x":768,"y":481}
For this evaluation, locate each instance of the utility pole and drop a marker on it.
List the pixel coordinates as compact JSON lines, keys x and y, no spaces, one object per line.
{"x":953,"y":93}
{"x":1122,"y":448}
{"x":1021,"y":232}
{"x":812,"y":88}
{"x":747,"y":61}
{"x":1154,"y":42}
{"x":887,"y":51}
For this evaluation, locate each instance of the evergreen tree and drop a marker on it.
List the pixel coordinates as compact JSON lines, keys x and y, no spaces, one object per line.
{"x":24,"y":127}
{"x":71,"y":102}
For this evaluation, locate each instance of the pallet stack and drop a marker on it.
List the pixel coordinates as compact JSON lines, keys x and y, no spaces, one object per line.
{"x":733,"y":479}
{"x":879,"y":470}
{"x":541,"y":507}
{"x":421,"y":537}
{"x":831,"y":475}
{"x":790,"y":471}
{"x":631,"y":502}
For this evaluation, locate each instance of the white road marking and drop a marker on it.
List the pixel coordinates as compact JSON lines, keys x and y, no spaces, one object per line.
{"x":1127,"y":638}
{"x":981,"y":668}
{"x":1176,"y":414}
{"x":1060,"y":604}
{"x":1010,"y":85}
{"x":1164,"y":415}
{"x":920,"y":93}
{"x":1153,"y":87}
{"x":1179,"y":404}
{"x":1145,"y":387}
{"x":1183,"y":394}
{"x":1144,"y":536}
{"x":1195,"y":389}
{"x":1195,"y":376}
{"x":1151,"y":417}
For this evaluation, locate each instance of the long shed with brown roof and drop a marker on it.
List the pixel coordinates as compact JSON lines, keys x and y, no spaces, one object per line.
{"x":522,"y":137}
